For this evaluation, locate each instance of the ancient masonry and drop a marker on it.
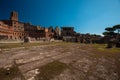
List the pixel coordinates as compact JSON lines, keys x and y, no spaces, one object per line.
{"x":13,"y":29}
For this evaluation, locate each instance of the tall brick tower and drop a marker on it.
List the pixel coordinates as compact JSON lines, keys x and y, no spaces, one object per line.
{"x":14,"y":16}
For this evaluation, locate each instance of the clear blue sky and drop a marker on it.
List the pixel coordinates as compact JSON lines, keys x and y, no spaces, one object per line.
{"x":87,"y":16}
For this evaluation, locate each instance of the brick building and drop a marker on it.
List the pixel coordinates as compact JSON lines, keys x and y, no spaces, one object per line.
{"x":67,"y":31}
{"x":68,"y":34}
{"x":13,"y":29}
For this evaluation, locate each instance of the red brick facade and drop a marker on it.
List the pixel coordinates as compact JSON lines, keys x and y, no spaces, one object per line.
{"x":13,"y":29}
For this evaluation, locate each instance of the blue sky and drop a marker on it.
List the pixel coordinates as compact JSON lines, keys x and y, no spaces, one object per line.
{"x":86,"y":16}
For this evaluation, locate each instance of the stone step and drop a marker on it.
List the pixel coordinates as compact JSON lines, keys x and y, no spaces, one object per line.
{"x":35,"y":64}
{"x":34,"y":57}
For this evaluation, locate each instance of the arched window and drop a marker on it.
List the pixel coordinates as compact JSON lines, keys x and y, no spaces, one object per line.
{"x":19,"y":37}
{"x":10,"y":37}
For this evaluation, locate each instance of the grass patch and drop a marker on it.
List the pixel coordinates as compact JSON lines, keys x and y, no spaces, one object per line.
{"x":50,"y":70}
{"x":15,"y":45}
{"x":11,"y":73}
{"x":102,"y":48}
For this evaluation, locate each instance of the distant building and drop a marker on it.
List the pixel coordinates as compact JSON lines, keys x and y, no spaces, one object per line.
{"x":13,"y":29}
{"x":57,"y":33}
{"x":68,"y":34}
{"x":67,"y":31}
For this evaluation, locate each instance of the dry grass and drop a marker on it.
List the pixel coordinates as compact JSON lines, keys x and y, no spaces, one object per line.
{"x":11,"y":73}
{"x":15,"y":45}
{"x":51,"y":70}
{"x":102,"y":47}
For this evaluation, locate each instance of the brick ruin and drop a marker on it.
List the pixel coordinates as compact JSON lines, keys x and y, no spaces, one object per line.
{"x":13,"y":29}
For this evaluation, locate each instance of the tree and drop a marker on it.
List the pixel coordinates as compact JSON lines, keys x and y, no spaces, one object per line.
{"x":109,"y":34}
{"x":117,"y":27}
{"x":110,"y":29}
{"x":105,"y":33}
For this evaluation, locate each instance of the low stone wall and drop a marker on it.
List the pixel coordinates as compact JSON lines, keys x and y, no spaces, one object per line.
{"x":19,"y":41}
{"x":11,"y":41}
